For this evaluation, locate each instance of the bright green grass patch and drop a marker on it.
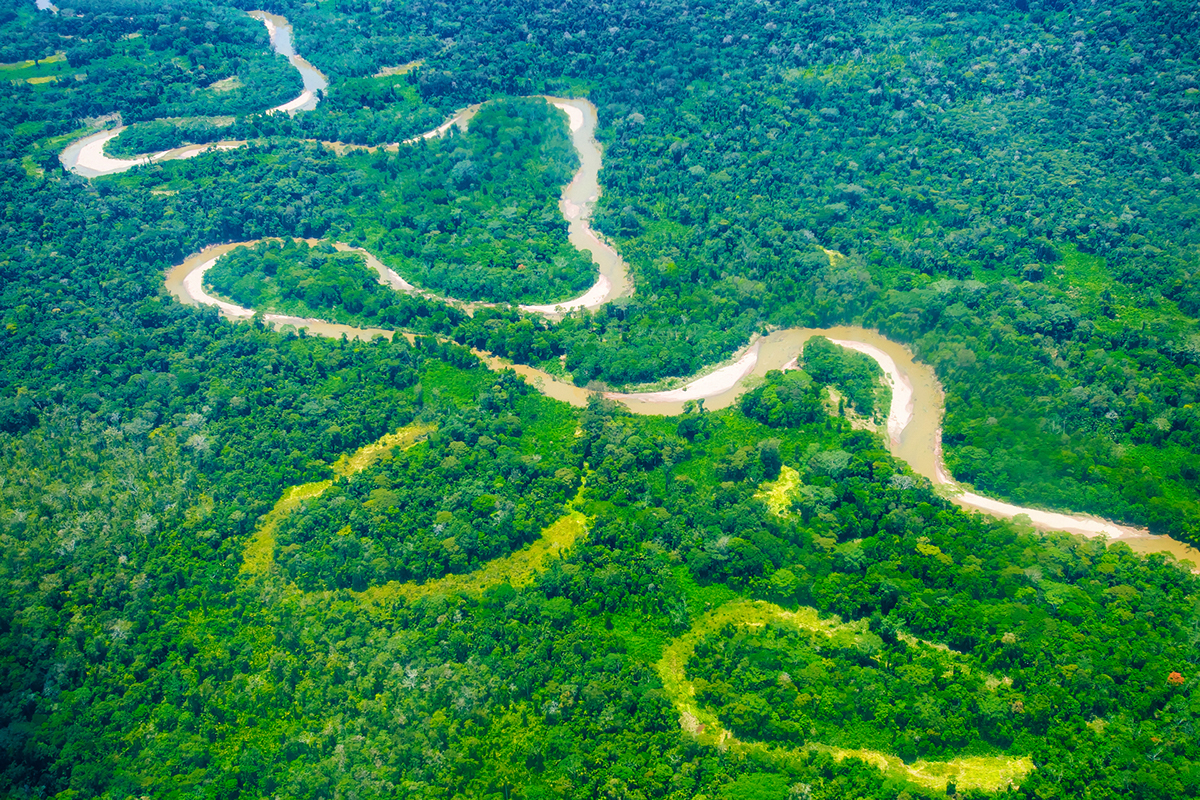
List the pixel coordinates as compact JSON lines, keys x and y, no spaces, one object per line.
{"x":517,"y":569}
{"x":258,"y":556}
{"x":55,"y":144}
{"x":29,"y":128}
{"x":672,"y":666}
{"x":401,"y":69}
{"x":702,"y":598}
{"x":777,"y":494}
{"x":38,"y":152}
{"x":1085,"y":278}
{"x":45,"y":68}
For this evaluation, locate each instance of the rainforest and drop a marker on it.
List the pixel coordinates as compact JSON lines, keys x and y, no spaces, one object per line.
{"x":656,"y":399}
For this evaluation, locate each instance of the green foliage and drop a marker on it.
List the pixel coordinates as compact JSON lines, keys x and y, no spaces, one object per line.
{"x":111,"y":66}
{"x":156,"y":136}
{"x":295,"y":278}
{"x":476,"y":489}
{"x":1013,"y":189}
{"x":857,"y":376}
{"x":476,"y":216}
{"x":902,"y":697}
{"x":786,"y":399}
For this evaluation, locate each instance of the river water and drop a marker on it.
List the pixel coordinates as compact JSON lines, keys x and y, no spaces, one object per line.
{"x":576,"y":203}
{"x":280,"y":31}
{"x":914,"y":420}
{"x":86,"y":156}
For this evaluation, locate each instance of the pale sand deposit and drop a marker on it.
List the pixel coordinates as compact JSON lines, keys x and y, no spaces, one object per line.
{"x":716,"y":382}
{"x":901,"y":411}
{"x":303,"y":100}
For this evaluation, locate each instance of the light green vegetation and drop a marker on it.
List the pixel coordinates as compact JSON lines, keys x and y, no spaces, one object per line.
{"x":39,"y":71}
{"x":779,"y":493}
{"x":402,"y":69}
{"x":517,"y":570}
{"x":1111,"y":304}
{"x":44,"y":151}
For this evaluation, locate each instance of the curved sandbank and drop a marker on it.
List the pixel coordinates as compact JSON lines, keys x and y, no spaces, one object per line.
{"x":86,"y":156}
{"x":913,"y":423}
{"x":900,"y":413}
{"x":577,"y":197}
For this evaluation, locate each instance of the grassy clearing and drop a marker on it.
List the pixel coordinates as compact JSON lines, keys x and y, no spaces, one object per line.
{"x":671,"y":667}
{"x":259,"y":554}
{"x":988,"y":773}
{"x":1085,"y":277}
{"x":517,"y":569}
{"x":42,"y":70}
{"x":367,"y":455}
{"x":402,"y":69}
{"x":777,"y":494}
{"x":232,"y":83}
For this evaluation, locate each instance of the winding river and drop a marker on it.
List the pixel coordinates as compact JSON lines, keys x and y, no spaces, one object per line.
{"x":86,"y":156}
{"x":914,"y":419}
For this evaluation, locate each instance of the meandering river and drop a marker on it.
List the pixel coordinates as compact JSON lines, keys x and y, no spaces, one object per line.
{"x":914,"y":419}
{"x":86,"y":156}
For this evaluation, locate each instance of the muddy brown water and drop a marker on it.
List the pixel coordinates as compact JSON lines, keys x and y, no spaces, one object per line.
{"x":915,"y":430}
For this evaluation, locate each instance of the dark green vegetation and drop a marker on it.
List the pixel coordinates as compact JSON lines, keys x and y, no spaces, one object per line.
{"x":1013,"y":193}
{"x":130,"y":615}
{"x":292,"y":277}
{"x":472,"y":216}
{"x":484,"y":483}
{"x":476,"y":216}
{"x":857,"y":377}
{"x":180,"y":58}
{"x":361,"y":111}
{"x":1013,"y":188}
{"x":158,"y":135}
{"x":904,"y":698}
{"x":784,"y":399}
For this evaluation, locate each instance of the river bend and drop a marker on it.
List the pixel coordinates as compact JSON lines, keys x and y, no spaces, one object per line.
{"x":913,"y":428}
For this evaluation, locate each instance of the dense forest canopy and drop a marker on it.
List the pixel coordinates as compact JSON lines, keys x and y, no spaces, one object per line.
{"x":216,"y":585}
